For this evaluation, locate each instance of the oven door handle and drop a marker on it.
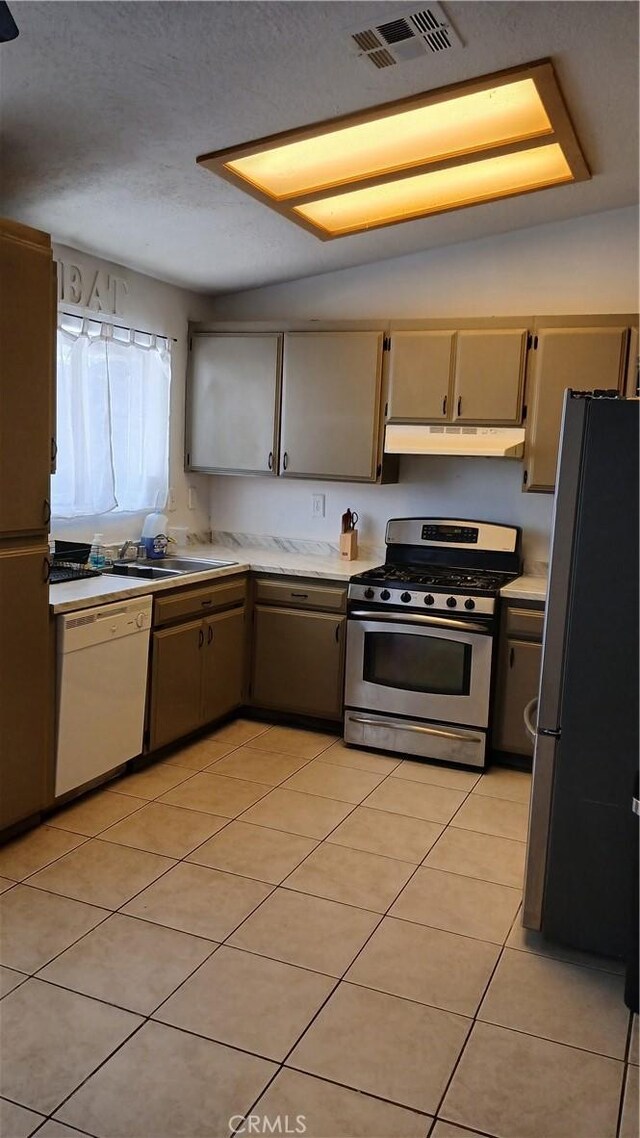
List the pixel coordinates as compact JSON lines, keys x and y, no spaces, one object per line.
{"x":442,"y":734}
{"x":420,"y":618}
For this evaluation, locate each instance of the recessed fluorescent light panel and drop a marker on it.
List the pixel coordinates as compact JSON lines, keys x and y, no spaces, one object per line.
{"x":486,"y":139}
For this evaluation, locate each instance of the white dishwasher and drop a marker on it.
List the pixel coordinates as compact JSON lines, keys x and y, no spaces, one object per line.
{"x":102,"y":684}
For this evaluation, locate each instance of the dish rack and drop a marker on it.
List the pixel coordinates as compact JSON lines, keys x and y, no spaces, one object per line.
{"x":69,"y":562}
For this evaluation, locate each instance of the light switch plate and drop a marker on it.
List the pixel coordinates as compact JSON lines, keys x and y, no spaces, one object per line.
{"x":317,"y":505}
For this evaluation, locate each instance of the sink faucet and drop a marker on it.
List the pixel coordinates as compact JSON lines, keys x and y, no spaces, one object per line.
{"x":129,"y":545}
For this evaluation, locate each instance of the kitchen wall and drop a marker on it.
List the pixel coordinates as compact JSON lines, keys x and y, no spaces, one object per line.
{"x":586,"y":265}
{"x":90,"y":286}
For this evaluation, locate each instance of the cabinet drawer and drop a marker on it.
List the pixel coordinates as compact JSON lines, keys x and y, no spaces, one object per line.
{"x":199,"y":602}
{"x":322,"y":597}
{"x":524,"y":623}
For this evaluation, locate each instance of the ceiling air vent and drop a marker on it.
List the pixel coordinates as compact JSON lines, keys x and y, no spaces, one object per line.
{"x":424,"y":32}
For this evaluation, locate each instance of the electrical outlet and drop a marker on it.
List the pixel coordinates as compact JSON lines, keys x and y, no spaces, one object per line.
{"x":317,"y":505}
{"x":192,"y":500}
{"x":171,"y":500}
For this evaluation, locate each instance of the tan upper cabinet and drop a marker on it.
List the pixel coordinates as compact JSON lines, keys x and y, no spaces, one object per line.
{"x":489,"y":376}
{"x":27,"y":332}
{"x":234,"y":388}
{"x":584,"y":358}
{"x":420,"y":371}
{"x":331,"y":405}
{"x":449,"y":375}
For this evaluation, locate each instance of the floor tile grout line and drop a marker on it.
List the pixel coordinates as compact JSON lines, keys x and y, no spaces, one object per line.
{"x":215,"y":945}
{"x":94,"y":1071}
{"x":332,"y":1082}
{"x":625,"y":1077}
{"x":474,"y":1018}
{"x":50,"y":1118}
{"x":342,"y":977}
{"x":23,"y":880}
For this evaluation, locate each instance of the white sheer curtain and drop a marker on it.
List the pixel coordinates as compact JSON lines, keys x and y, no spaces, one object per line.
{"x":113,"y":420}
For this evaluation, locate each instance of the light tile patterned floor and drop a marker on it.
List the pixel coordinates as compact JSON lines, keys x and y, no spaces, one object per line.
{"x":267,"y":922}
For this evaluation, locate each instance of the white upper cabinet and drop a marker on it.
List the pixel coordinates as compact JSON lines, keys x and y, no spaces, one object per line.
{"x":420,"y":372}
{"x":489,"y":376}
{"x":233,"y":402}
{"x":450,"y":376}
{"x":331,"y":405}
{"x":584,"y":358}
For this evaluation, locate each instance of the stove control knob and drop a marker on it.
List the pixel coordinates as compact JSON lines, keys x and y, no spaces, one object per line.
{"x":451,"y":602}
{"x":369,"y":593}
{"x":384,"y":595}
{"x":405,"y":597}
{"x":428,"y":600}
{"x":469,"y":604}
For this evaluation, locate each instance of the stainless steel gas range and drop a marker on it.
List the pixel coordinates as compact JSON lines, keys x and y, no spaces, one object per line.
{"x":420,"y":638}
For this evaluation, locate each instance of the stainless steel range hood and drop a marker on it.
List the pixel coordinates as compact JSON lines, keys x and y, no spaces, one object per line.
{"x":490,"y":442}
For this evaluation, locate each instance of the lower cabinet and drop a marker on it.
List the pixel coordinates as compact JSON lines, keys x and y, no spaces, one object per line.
{"x":223,"y":663}
{"x":519,"y":661}
{"x":26,"y":687}
{"x":197,"y":664}
{"x":298,"y":651}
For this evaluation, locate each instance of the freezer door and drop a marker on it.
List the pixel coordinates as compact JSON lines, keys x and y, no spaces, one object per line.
{"x":561,"y":560}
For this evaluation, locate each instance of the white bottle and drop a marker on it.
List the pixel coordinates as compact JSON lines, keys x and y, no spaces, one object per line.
{"x":154,"y":535}
{"x":96,"y":557}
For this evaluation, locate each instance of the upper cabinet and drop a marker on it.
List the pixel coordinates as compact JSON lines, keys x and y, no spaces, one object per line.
{"x":489,"y":376}
{"x":450,"y":376}
{"x":420,"y":373}
{"x":297,"y":404}
{"x":583,"y":358}
{"x":331,"y":405}
{"x":27,"y":330}
{"x":234,"y":403}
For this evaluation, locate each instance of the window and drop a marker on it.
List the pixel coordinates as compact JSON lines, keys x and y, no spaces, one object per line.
{"x":113,"y":420}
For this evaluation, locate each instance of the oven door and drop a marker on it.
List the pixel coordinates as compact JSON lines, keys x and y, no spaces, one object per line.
{"x":425,"y":667}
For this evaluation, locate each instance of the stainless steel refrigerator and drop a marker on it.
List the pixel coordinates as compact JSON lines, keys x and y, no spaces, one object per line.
{"x":582,"y":845}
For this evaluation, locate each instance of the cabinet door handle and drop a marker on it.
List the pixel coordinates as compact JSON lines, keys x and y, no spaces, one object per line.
{"x":54,"y":449}
{"x":204,"y":604}
{"x":200,"y":638}
{"x":210,"y":634}
{"x":338,"y":633}
{"x":512,"y":656}
{"x":301,"y":596}
{"x":444,"y":405}
{"x":46,"y":512}
{"x":270,"y":460}
{"x":46,"y":570}
{"x":459,"y":405}
{"x":285,"y":461}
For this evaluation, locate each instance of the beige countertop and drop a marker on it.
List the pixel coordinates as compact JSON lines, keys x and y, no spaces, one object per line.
{"x":526,"y":588}
{"x":71,"y":595}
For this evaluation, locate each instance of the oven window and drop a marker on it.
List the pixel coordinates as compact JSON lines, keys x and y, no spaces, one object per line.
{"x":417,"y":663}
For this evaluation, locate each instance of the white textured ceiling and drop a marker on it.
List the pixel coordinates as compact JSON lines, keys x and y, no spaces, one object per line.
{"x":107,"y":104}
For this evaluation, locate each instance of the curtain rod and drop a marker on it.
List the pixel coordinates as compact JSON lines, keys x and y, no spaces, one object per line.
{"x":120,"y":327}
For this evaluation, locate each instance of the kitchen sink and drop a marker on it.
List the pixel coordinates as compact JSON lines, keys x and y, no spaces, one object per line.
{"x":170,"y":567}
{"x":141,"y":572}
{"x":193,"y":564}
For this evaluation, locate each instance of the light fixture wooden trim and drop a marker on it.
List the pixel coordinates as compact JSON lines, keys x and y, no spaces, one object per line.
{"x":561,"y":132}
